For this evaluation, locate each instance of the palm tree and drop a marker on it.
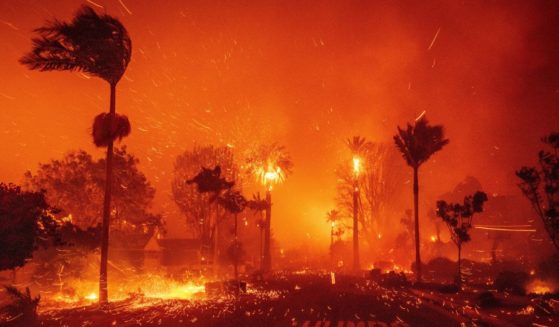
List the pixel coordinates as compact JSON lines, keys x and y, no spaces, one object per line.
{"x":259,"y":205}
{"x":270,"y":164}
{"x":358,"y":146}
{"x":98,"y":45}
{"x":418,"y":143}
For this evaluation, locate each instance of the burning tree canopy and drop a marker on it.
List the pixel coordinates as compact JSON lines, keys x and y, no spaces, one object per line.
{"x":75,"y":184}
{"x":381,"y":184}
{"x":270,"y":164}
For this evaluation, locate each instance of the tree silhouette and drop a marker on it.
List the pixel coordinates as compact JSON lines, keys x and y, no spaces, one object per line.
{"x":196,"y":207}
{"x":541,"y":187}
{"x":380,"y":185}
{"x":335,"y":218}
{"x":358,"y":146}
{"x":418,"y":143}
{"x":234,"y":202}
{"x":259,"y":205}
{"x":210,"y":181}
{"x":26,"y":222}
{"x":98,"y":45}
{"x":74,"y":184}
{"x":458,"y":219}
{"x":271,"y":164}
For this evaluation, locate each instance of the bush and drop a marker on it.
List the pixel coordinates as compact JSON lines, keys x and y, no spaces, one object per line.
{"x":512,"y":281}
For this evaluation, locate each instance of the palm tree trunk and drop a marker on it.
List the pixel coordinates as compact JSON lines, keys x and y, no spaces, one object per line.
{"x":332,"y":243}
{"x":236,"y":262}
{"x":103,"y":292}
{"x":267,"y":234}
{"x":356,"y":264}
{"x":216,"y":241}
{"x":459,"y":281}
{"x":416,"y":213}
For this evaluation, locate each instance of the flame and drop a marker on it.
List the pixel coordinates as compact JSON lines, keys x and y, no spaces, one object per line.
{"x":150,"y":286}
{"x":540,"y":287}
{"x":91,"y":296}
{"x":270,"y":175}
{"x":356,"y":165}
{"x":433,"y":238}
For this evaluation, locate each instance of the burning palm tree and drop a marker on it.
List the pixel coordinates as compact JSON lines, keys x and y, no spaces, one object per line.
{"x":358,"y":146}
{"x":98,"y":45}
{"x":418,"y":143}
{"x":271,"y":165}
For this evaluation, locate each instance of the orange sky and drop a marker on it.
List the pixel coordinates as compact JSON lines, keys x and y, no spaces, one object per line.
{"x":307,"y":74}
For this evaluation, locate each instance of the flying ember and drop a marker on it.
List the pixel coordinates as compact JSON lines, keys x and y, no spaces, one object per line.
{"x":279,"y":163}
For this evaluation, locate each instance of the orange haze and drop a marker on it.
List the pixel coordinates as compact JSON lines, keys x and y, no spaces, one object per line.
{"x":307,"y":74}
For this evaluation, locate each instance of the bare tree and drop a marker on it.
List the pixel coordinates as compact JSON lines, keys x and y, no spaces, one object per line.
{"x":541,"y":187}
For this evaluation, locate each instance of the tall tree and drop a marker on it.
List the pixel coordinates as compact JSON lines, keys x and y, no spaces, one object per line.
{"x":98,"y":45}
{"x":417,"y":143}
{"x":358,"y":146}
{"x":541,"y":187}
{"x":270,"y":164}
{"x":458,"y":218}
{"x":381,"y":182}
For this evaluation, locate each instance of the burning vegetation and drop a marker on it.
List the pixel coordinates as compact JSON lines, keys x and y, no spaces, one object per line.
{"x":107,"y":235}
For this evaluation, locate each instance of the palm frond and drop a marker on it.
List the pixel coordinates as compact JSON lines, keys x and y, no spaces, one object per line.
{"x":96,"y":44}
{"x":420,"y":141}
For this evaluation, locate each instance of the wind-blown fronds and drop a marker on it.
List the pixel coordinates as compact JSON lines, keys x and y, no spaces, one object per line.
{"x":94,"y":44}
{"x":420,"y":141}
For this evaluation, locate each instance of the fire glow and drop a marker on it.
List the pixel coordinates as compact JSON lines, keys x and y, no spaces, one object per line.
{"x":149,"y":286}
{"x":541,"y":287}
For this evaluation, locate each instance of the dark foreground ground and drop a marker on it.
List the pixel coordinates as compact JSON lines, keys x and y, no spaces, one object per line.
{"x":304,"y":300}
